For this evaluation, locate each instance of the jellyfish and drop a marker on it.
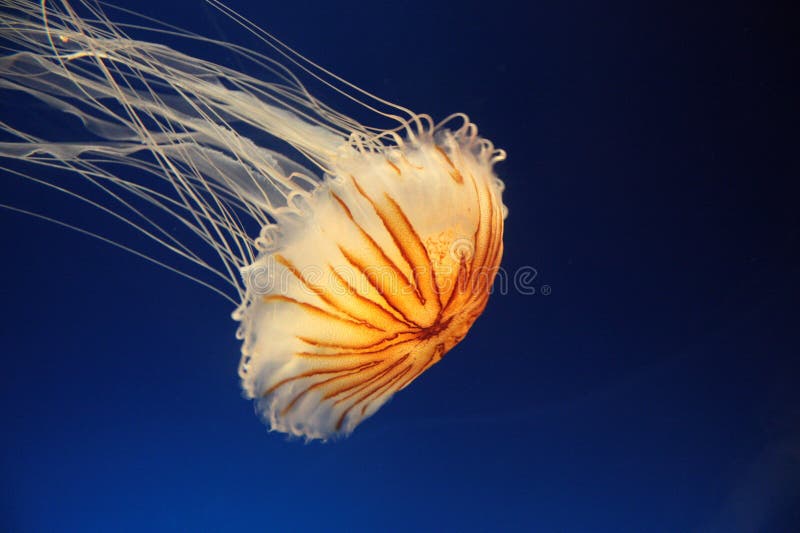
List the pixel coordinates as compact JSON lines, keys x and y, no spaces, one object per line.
{"x":357,"y":256}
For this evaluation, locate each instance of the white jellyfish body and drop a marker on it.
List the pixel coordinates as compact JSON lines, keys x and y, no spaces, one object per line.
{"x":386,"y":272}
{"x":364,"y":273}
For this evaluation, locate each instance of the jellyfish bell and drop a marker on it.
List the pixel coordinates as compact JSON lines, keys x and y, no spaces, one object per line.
{"x":386,"y":271}
{"x":365,"y":271}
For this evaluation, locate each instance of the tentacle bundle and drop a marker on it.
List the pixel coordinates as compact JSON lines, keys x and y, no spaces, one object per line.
{"x":358,"y":280}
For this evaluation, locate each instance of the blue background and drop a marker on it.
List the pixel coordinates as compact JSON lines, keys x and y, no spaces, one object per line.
{"x":652,"y":185}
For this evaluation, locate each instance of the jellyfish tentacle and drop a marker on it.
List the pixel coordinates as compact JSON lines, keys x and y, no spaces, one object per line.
{"x":359,"y":261}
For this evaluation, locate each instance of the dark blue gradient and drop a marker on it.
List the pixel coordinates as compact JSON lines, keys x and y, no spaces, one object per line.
{"x":652,"y":185}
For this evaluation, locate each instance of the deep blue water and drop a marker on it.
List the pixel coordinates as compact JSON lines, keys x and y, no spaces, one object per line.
{"x":652,"y":186}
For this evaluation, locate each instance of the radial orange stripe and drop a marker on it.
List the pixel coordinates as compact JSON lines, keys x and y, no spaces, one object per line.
{"x":312,"y":373}
{"x":386,"y":351}
{"x":321,"y":293}
{"x":385,"y":375}
{"x":484,"y":228}
{"x":412,"y":249}
{"x":376,"y":248}
{"x":364,"y":351}
{"x":377,"y":308}
{"x":395,"y":167}
{"x":454,"y":173}
{"x":394,"y":300}
{"x":367,"y":346}
{"x":385,"y":389}
{"x":313,"y":309}
{"x":439,"y":349}
{"x":318,"y":384}
{"x":359,"y":387}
